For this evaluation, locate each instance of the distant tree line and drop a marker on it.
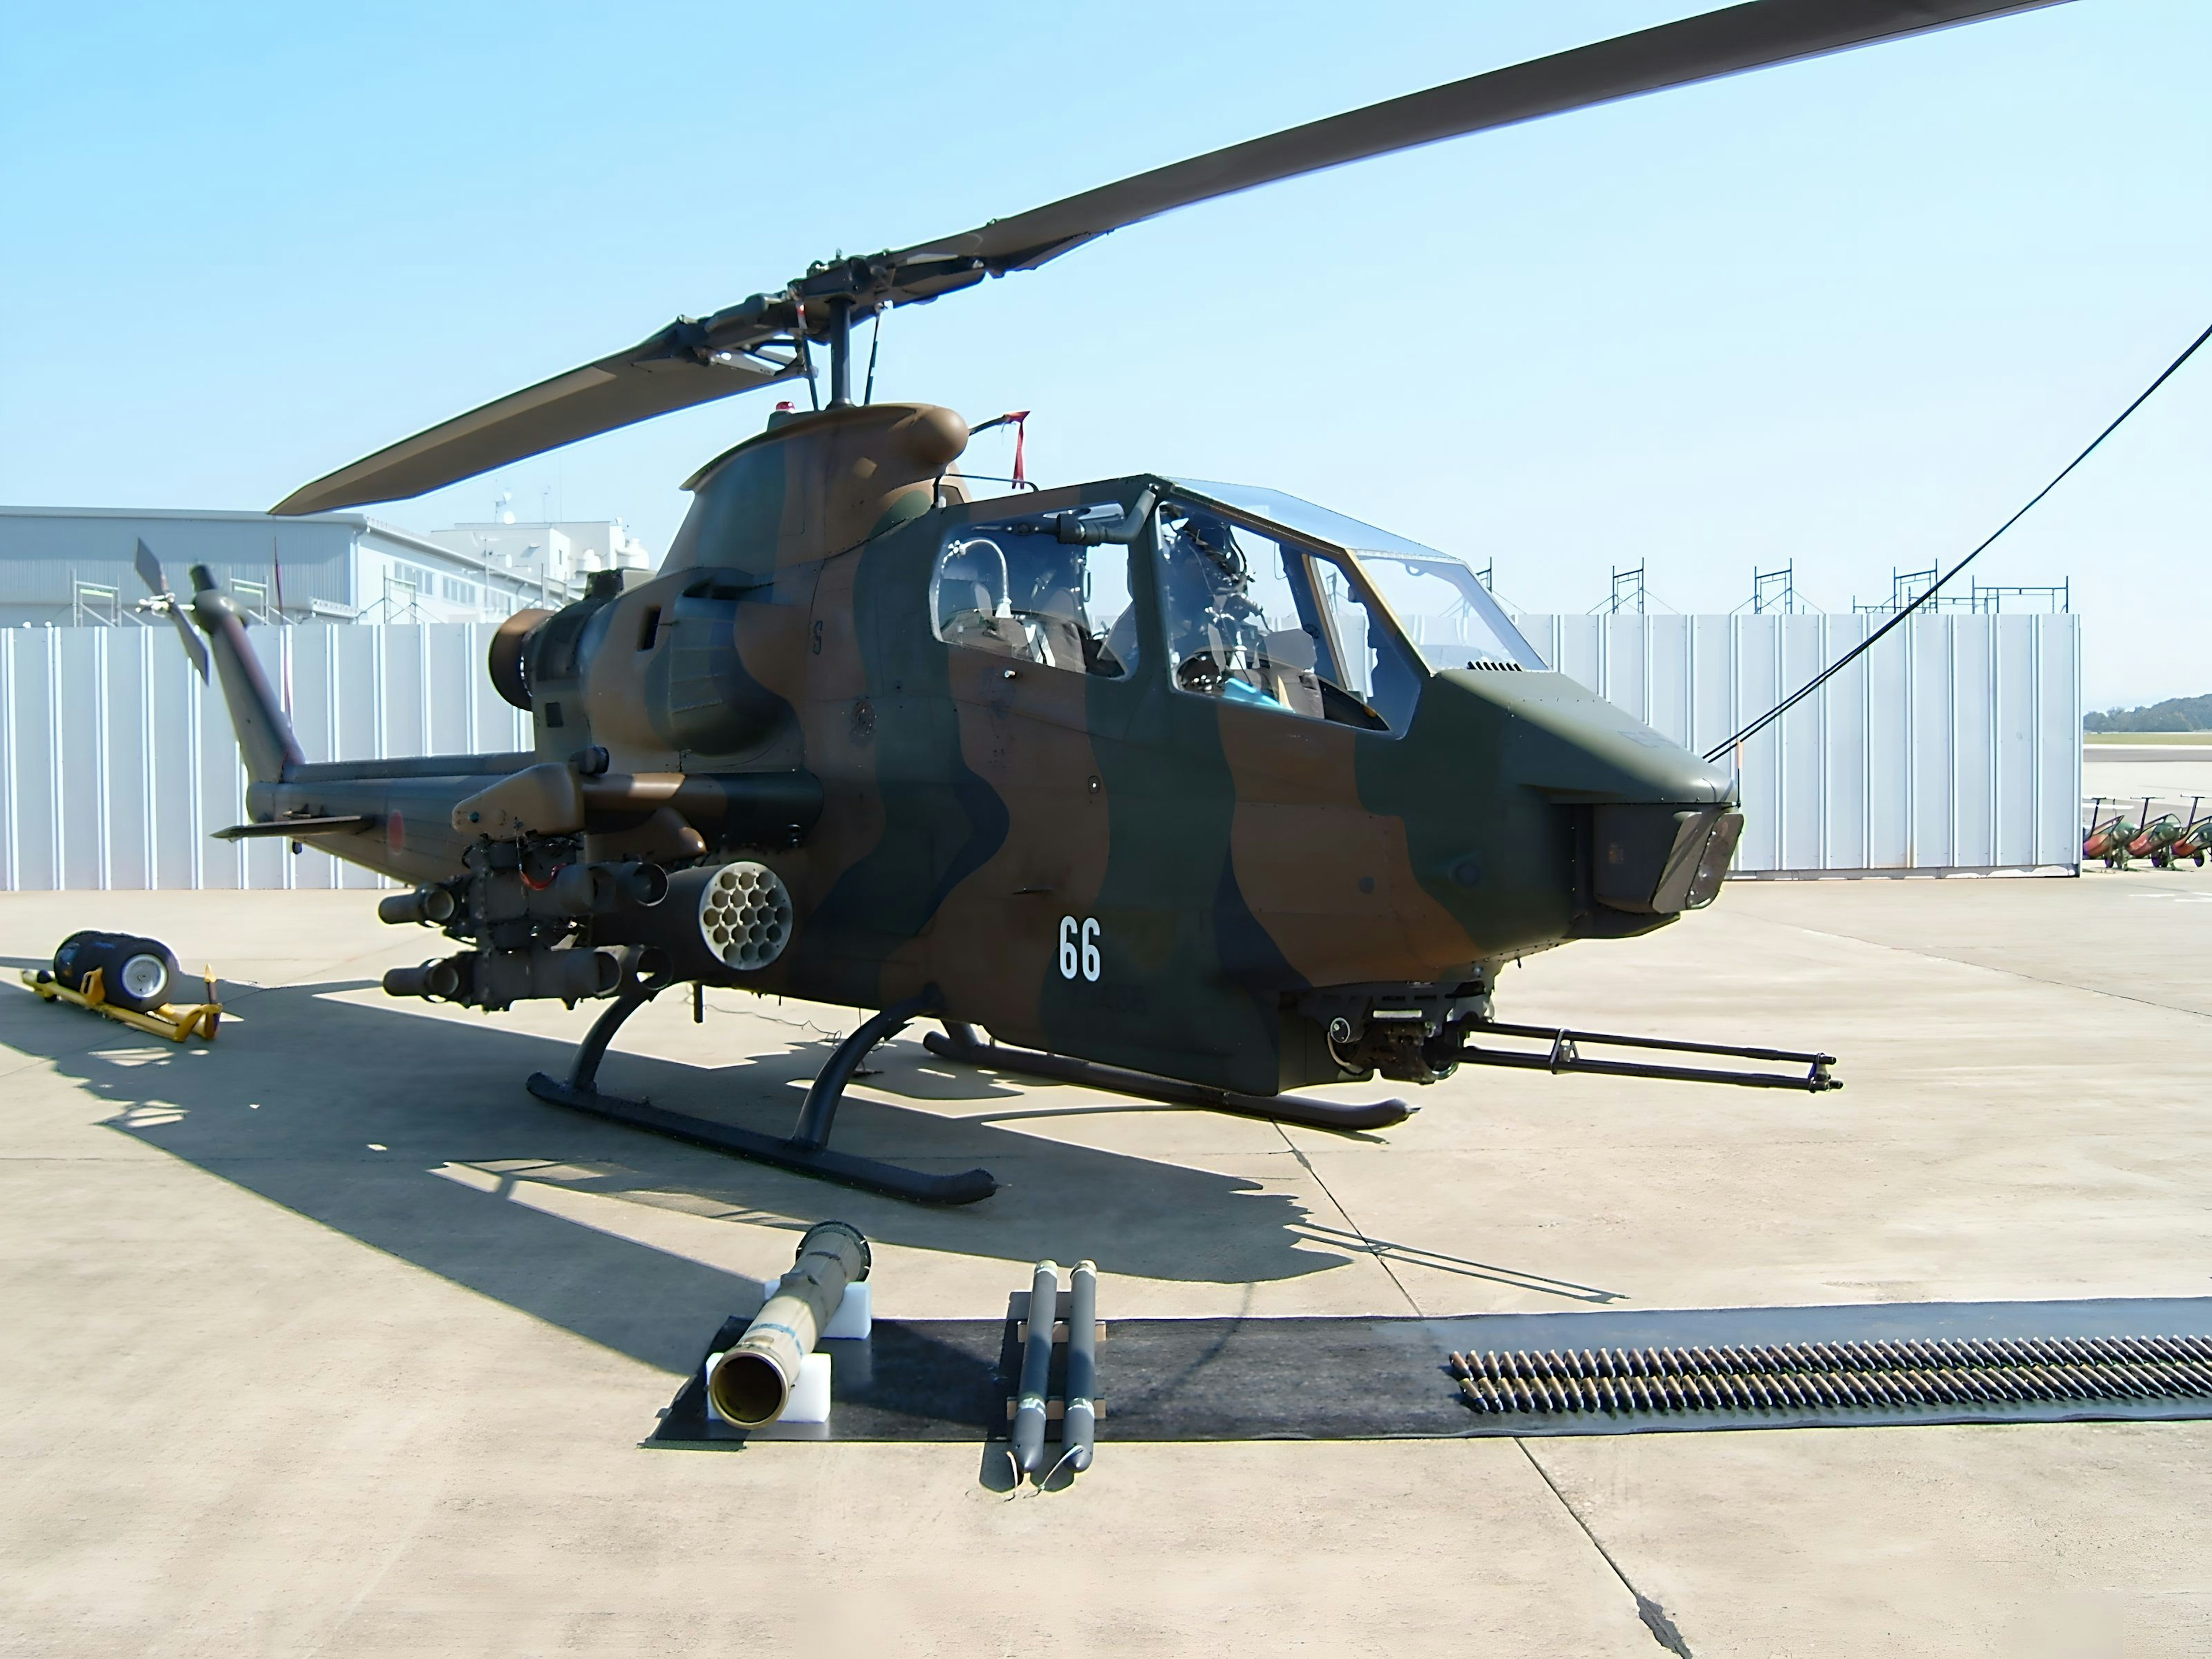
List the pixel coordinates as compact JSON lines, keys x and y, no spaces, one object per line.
{"x":2174,"y":714}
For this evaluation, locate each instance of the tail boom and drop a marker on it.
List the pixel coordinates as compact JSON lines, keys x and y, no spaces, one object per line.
{"x":264,"y":735}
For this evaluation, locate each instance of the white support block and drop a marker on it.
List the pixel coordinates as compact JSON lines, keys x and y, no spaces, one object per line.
{"x":855,"y":1314}
{"x":810,"y":1397}
{"x":706,"y":1379}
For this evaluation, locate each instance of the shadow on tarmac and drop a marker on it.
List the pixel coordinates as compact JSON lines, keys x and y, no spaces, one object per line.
{"x":445,"y":1103}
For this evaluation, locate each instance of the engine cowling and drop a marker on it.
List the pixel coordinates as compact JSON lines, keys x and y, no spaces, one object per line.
{"x":697,"y":663}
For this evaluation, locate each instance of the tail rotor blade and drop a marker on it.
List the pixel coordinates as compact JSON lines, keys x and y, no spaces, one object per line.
{"x":193,"y":648}
{"x":149,"y":572}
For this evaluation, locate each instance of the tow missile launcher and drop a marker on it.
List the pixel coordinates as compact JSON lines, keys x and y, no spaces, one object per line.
{"x":755,"y":1378}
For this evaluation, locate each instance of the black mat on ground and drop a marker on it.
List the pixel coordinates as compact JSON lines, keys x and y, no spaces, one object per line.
{"x":1388,"y":1379}
{"x":922,"y":1379}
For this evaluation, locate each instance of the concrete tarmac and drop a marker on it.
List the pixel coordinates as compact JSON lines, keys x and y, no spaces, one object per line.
{"x":2120,"y":777}
{"x":330,"y":1339}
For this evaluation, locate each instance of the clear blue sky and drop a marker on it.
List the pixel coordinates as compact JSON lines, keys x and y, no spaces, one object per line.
{"x":1852,"y":311}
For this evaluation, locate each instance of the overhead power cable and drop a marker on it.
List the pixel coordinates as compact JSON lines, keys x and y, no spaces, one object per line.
{"x":1936,"y":586}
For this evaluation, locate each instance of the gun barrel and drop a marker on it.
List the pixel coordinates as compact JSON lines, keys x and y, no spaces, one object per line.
{"x":753,"y":1383}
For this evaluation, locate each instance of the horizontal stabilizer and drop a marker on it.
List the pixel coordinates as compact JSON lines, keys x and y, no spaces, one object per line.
{"x":297,"y":828}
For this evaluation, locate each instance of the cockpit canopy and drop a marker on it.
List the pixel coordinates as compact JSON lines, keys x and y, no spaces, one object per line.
{"x":1446,"y":612}
{"x":1264,"y":599}
{"x":1011,"y":586}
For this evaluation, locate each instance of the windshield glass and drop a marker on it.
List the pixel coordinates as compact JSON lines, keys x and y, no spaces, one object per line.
{"x":1256,"y":618}
{"x":1449,"y":616}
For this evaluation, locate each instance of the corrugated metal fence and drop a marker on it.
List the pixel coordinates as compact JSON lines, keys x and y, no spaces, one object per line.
{"x":117,"y":764}
{"x":1953,"y":744}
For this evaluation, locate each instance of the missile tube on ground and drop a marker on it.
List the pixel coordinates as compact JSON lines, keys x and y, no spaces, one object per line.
{"x":753,"y":1383}
{"x":1079,"y":1423}
{"x":1027,"y":1437}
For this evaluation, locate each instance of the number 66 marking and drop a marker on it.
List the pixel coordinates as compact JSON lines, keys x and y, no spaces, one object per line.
{"x":1087,"y":962}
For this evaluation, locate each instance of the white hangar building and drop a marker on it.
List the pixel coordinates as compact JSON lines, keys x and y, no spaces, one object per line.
{"x":63,"y":567}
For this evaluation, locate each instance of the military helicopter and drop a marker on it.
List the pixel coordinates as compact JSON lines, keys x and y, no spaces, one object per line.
{"x":1193,"y":791}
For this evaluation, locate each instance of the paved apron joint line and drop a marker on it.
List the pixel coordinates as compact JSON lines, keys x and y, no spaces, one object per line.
{"x":1655,"y":1616}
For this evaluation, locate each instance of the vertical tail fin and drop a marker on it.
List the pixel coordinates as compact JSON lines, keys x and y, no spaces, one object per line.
{"x":264,"y":735}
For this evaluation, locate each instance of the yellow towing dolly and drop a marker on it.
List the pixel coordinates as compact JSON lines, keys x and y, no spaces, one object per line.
{"x":166,"y":1021}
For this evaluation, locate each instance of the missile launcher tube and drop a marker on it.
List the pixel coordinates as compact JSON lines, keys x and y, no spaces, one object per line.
{"x":423,"y":904}
{"x":753,"y":1381}
{"x":1028,"y":1436}
{"x":1079,"y":1424}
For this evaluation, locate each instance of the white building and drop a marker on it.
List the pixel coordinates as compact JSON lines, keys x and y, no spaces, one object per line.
{"x":554,"y":556}
{"x":63,"y":567}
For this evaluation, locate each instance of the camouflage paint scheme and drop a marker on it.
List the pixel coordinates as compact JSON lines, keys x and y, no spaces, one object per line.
{"x":1254,"y":897}
{"x":971,"y":805}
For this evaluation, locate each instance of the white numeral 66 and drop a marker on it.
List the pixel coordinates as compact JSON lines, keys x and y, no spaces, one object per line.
{"x":1070,"y":964}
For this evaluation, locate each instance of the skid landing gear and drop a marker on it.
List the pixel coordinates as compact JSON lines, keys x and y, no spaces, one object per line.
{"x":960,"y":1043}
{"x":806,"y":1150}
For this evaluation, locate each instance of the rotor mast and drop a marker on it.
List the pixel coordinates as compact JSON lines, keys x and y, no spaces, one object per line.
{"x":841,"y":351}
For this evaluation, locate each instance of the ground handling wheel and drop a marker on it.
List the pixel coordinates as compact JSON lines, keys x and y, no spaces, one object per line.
{"x":135,"y":972}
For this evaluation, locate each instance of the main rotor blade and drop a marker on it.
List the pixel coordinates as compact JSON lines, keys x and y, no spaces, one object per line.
{"x":1757,"y":35}
{"x":675,"y":369}
{"x":692,"y":362}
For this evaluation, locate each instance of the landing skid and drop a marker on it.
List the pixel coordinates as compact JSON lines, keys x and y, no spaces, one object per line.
{"x":806,"y":1151}
{"x":960,"y":1043}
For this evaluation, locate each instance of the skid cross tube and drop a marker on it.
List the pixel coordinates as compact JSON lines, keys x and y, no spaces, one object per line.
{"x":806,"y":1151}
{"x":1564,"y":1055}
{"x":960,"y":1043}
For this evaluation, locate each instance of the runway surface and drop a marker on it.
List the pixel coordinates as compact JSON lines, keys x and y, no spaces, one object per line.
{"x":331,"y":1339}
